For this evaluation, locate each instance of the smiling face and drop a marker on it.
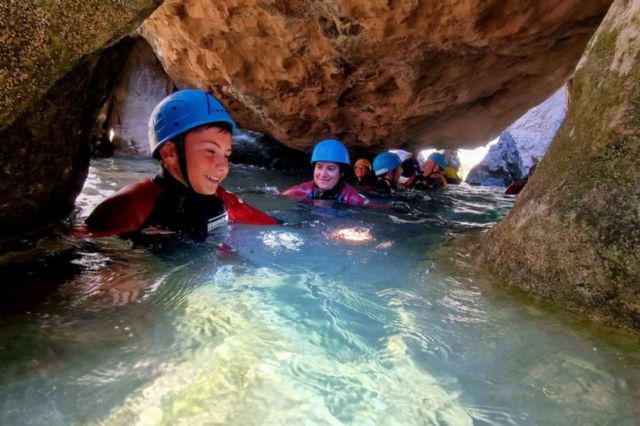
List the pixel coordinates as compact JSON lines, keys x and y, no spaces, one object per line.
{"x":207,"y":150}
{"x":326,"y":175}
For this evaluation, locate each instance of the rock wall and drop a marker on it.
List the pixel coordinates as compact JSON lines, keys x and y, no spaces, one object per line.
{"x":522,"y":144}
{"x":574,"y":233}
{"x":56,"y":69}
{"x":45,"y":153}
{"x":375,"y":73}
{"x":142,"y":85}
{"x":42,"y":41}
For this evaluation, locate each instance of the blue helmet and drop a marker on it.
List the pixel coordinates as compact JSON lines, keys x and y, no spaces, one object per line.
{"x":330,"y":150}
{"x":385,"y":162}
{"x":182,"y":111}
{"x":439,"y":159}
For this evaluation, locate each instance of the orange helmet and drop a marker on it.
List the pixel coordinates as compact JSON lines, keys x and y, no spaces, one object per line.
{"x":363,"y":162}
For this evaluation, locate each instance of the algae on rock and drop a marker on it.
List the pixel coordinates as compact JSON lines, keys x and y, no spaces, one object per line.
{"x":573,"y":236}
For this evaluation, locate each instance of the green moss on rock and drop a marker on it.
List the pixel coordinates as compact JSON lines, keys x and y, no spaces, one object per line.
{"x":573,"y":235}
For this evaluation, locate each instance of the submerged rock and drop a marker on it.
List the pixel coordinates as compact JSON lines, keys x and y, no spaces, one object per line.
{"x":574,"y":233}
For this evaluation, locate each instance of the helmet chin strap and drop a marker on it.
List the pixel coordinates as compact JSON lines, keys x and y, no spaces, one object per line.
{"x":182,"y":161}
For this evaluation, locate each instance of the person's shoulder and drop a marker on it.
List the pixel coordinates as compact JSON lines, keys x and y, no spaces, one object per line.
{"x":301,"y":190}
{"x":241,"y":212}
{"x":126,"y":210}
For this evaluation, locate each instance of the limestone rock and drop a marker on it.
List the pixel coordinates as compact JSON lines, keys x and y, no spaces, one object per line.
{"x":534,"y":131}
{"x":57,"y":62}
{"x":573,"y":235}
{"x":143,"y":84}
{"x":45,"y":154}
{"x":42,"y":41}
{"x":522,"y":144}
{"x":501,"y":166}
{"x":262,"y":150}
{"x":374,"y":73}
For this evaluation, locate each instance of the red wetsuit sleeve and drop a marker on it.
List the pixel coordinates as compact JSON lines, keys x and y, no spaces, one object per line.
{"x":303,"y":190}
{"x":353,"y":197}
{"x":125,"y":211}
{"x":241,"y":212}
{"x":516,"y":187}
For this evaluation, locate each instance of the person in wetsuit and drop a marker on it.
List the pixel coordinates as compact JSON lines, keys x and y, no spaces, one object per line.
{"x":190,"y":135}
{"x":364,"y":178}
{"x":516,"y":187}
{"x":387,"y":167}
{"x":433,"y":175}
{"x":330,"y":159}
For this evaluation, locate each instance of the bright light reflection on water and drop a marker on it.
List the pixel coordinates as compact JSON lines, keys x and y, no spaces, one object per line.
{"x":339,"y":316}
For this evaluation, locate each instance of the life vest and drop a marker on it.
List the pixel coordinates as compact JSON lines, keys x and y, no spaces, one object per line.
{"x":343,"y":192}
{"x":451,"y":175}
{"x":164,"y":204}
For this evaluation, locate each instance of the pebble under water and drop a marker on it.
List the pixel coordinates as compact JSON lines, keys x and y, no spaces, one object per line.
{"x":341,"y":315}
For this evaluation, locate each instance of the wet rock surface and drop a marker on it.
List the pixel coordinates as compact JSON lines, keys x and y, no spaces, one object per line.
{"x":45,"y":153}
{"x":57,"y":62}
{"x":574,"y":233}
{"x":141,"y":86}
{"x":374,"y":73}
{"x":258,"y":149}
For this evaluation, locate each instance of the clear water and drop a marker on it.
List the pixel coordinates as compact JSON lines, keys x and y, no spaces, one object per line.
{"x":304,"y":323}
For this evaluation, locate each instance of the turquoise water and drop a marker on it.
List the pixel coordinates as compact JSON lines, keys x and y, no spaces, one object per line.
{"x":339,"y":316}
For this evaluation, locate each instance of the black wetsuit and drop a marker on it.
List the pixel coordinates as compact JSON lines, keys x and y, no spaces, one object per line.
{"x":183,"y":210}
{"x":367,"y":183}
{"x":428,"y":183}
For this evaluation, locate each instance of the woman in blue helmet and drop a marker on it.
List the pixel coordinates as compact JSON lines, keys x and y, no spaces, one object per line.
{"x":190,"y":135}
{"x":330,"y":159}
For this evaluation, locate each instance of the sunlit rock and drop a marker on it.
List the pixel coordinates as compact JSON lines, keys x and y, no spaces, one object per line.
{"x":522,"y":144}
{"x":374,"y":73}
{"x":500,"y":166}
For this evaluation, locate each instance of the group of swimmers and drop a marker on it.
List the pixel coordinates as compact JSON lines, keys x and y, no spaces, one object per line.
{"x":190,"y":134}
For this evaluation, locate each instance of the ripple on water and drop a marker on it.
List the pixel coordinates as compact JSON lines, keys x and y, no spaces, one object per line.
{"x":410,"y":325}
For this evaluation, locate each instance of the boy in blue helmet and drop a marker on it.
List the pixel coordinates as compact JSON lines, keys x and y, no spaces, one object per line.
{"x":387,"y":166}
{"x":330,"y":158}
{"x":190,"y":134}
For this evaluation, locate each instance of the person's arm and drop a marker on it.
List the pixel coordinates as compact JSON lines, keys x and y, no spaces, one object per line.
{"x":353,"y":197}
{"x":241,"y":212}
{"x":303,"y":190}
{"x":125,"y":211}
